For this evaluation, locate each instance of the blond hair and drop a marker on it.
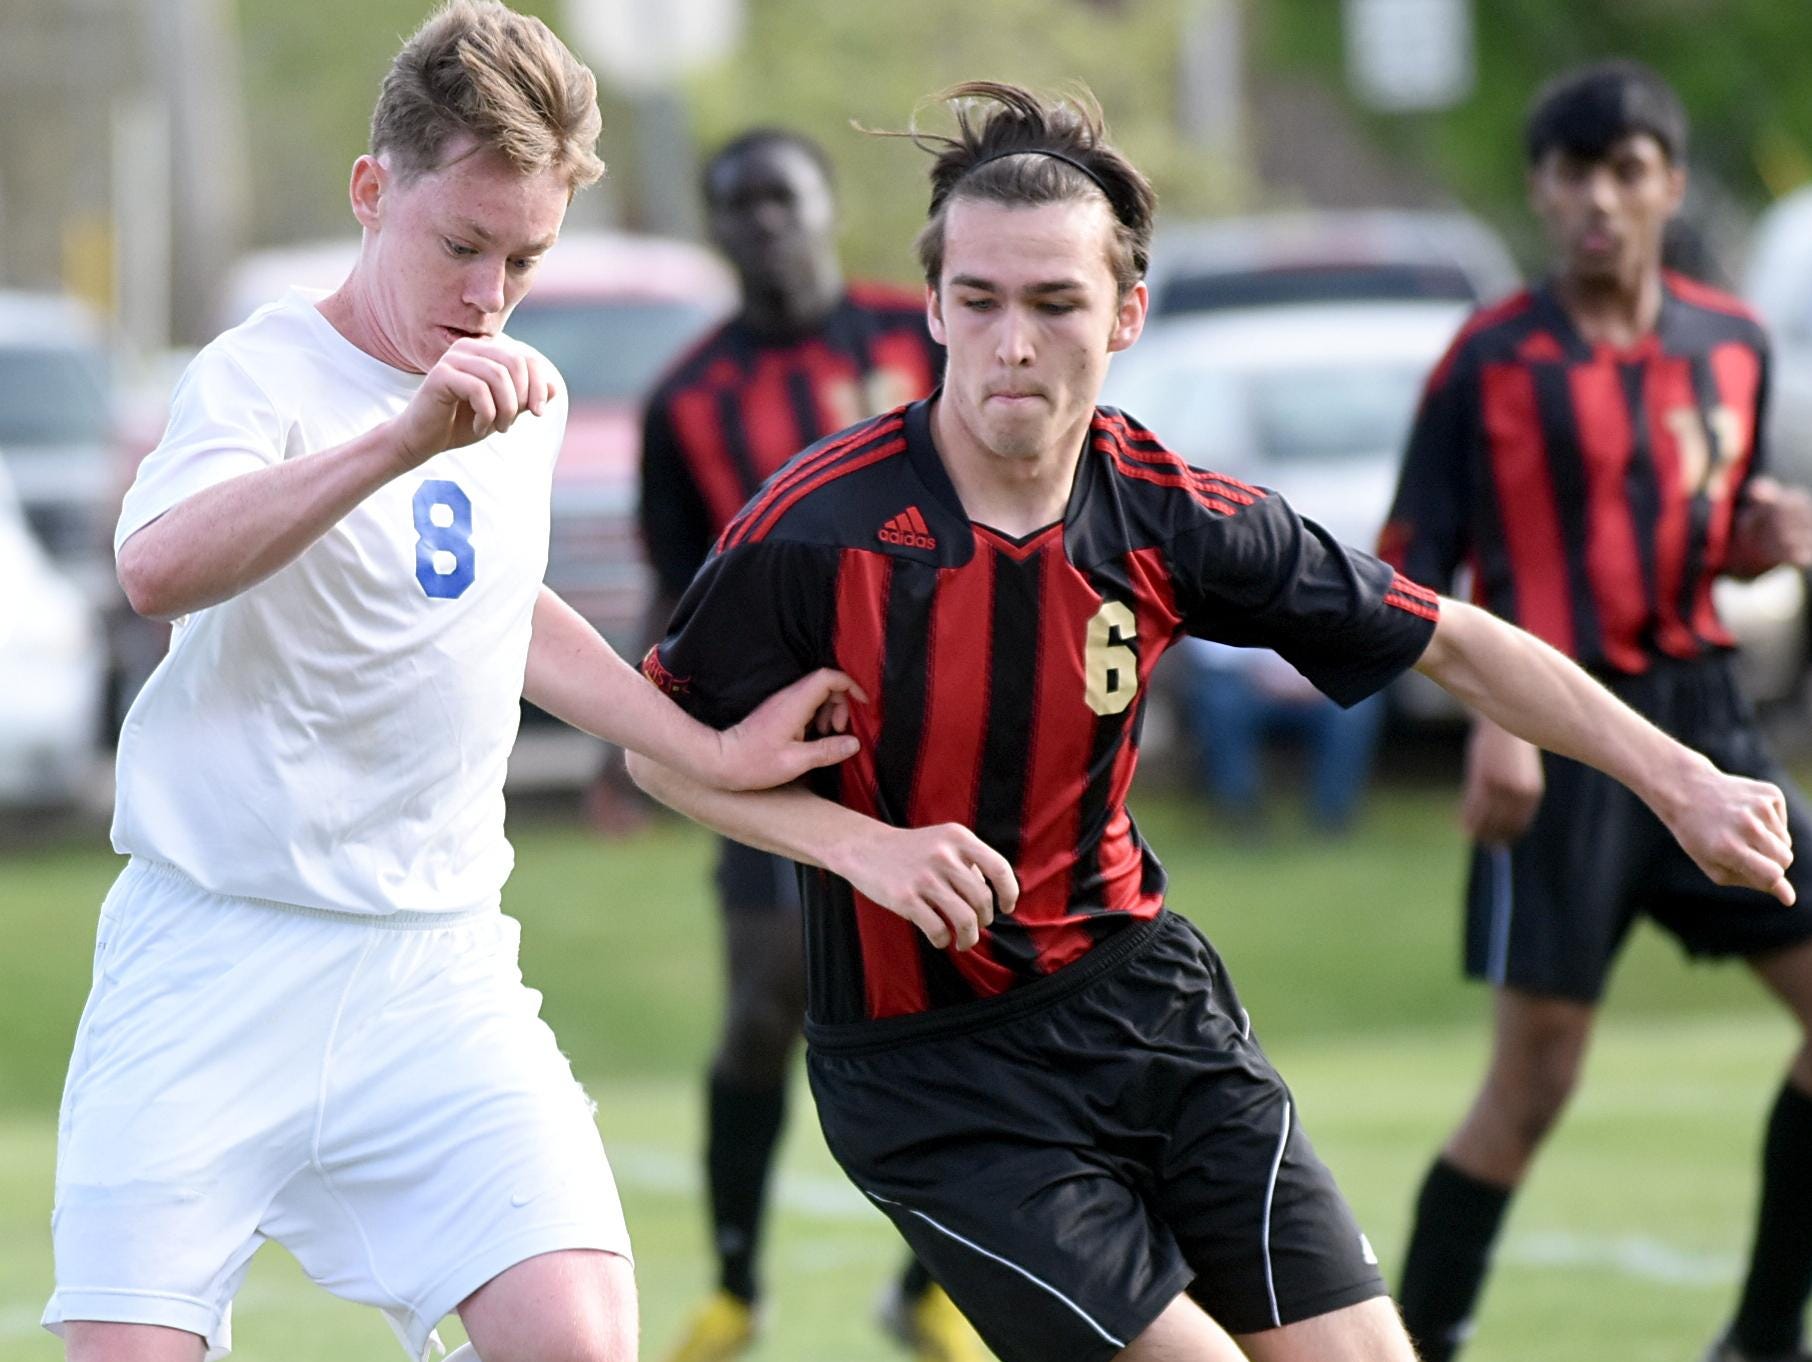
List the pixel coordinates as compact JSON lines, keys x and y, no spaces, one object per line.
{"x":478,"y":68}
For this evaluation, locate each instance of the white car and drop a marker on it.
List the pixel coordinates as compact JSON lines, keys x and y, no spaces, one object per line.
{"x":1314,"y":400}
{"x":53,"y":670}
{"x":1778,"y":285}
{"x":56,"y":418}
{"x":1317,"y":400}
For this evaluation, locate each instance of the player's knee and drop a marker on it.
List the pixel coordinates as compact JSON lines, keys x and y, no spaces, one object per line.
{"x":1542,"y":1095}
{"x":102,"y":1341}
{"x":607,"y":1335}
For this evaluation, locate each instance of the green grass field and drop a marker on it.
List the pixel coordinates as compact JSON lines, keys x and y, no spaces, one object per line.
{"x":1625,"y":1246}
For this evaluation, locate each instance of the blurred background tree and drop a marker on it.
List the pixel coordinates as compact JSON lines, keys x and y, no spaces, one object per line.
{"x":1230,"y":104}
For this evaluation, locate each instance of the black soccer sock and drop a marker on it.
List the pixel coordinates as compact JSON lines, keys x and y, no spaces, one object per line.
{"x":739,"y":1153}
{"x":1770,"y":1317}
{"x":1457,"y":1220}
{"x":915,"y":1281}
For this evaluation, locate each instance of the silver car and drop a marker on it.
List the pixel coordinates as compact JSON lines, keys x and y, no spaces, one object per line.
{"x":53,"y":669}
{"x":56,"y":427}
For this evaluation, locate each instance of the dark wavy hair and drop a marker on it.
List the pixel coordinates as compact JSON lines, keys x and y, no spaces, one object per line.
{"x":1587,"y":111}
{"x":1012,"y":147}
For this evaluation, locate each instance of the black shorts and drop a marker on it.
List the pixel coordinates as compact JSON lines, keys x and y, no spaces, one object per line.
{"x":1549,"y":914}
{"x":1068,"y":1158}
{"x":751,"y":880}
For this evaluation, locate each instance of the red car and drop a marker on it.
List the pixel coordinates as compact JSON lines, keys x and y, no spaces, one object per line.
{"x":611,"y":311}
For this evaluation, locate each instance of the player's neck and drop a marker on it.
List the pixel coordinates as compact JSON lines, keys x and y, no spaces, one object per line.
{"x":1614,"y":312}
{"x":787,"y":312}
{"x":348,"y":311}
{"x":1015,"y":495}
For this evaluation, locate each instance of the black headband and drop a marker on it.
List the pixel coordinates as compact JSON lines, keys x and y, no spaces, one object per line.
{"x":1066,"y":158}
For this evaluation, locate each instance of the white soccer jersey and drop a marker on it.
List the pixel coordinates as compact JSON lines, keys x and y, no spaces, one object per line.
{"x":336,"y":736}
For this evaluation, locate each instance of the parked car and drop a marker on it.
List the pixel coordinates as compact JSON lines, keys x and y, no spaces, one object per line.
{"x":612,"y":311}
{"x":1778,"y":285}
{"x":53,"y":667}
{"x":1316,"y":401}
{"x":1315,"y":258}
{"x":56,"y":427}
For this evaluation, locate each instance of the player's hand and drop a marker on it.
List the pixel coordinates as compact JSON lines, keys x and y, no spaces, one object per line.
{"x":1504,"y":785}
{"x":1772,"y":526}
{"x":480,"y":385}
{"x":1735,"y":830}
{"x":771,"y":746}
{"x":944,"y":880}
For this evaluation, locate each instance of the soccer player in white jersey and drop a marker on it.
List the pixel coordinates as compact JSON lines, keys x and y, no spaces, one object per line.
{"x":307,"y":1022}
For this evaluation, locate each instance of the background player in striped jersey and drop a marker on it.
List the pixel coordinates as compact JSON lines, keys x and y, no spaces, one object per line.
{"x":806,"y":354}
{"x":1042,"y":1076}
{"x":1592,"y":448}
{"x":307,"y":1022}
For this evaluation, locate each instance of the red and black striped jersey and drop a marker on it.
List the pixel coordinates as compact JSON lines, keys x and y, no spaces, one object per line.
{"x":1590,"y":489}
{"x":739,"y":404}
{"x":1009,"y":677}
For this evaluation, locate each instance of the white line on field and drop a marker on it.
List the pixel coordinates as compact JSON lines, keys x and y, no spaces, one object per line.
{"x":1630,"y":1255}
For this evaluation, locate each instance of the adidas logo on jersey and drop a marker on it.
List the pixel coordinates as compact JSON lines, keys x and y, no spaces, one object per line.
{"x":909,"y":530}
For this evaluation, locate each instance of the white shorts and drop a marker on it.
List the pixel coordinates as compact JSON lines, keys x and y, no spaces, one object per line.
{"x":378,"y":1095}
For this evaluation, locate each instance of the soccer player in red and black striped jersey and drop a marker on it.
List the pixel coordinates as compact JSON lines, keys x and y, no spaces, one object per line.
{"x":1591,"y":450}
{"x":1040,"y":1074}
{"x":805,"y":354}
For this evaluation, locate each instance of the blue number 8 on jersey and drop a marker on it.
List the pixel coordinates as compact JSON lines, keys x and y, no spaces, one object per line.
{"x":444,"y":559}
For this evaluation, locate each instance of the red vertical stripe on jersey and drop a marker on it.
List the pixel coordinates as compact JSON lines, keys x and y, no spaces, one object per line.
{"x":891,"y":973}
{"x":701,"y":436}
{"x":1670,"y":398}
{"x":956,"y":705}
{"x":1525,"y":500}
{"x":1063,"y":733}
{"x":958,"y":665}
{"x":1613,"y":565}
{"x":1736,"y":373}
{"x":772,"y":434}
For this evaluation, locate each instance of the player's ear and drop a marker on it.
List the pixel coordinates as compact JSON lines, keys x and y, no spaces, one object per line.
{"x":370,"y":180}
{"x":934,"y":314}
{"x":1129,"y":317}
{"x":1676,"y":187}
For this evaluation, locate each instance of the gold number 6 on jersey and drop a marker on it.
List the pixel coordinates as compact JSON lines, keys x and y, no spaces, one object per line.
{"x":1113,"y":667}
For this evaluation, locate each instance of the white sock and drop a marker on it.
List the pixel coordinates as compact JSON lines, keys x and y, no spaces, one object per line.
{"x":463,"y":1353}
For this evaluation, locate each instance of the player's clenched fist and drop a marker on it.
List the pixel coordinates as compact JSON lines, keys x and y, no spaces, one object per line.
{"x":1735,"y":830}
{"x":480,"y":385}
{"x":944,"y":880}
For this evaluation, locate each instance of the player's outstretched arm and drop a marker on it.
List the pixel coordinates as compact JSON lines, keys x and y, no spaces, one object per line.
{"x":577,"y":677}
{"x":944,"y":880}
{"x":1735,"y":829}
{"x":218,"y":542}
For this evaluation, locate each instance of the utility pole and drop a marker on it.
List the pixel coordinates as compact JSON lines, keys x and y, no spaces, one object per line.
{"x":194,"y":52}
{"x":642,"y":48}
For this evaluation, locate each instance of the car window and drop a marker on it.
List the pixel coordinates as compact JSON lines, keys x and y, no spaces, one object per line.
{"x":1196,"y":412}
{"x":51,"y":395}
{"x":610,"y":350}
{"x":1360,"y":283}
{"x":1306,"y":413}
